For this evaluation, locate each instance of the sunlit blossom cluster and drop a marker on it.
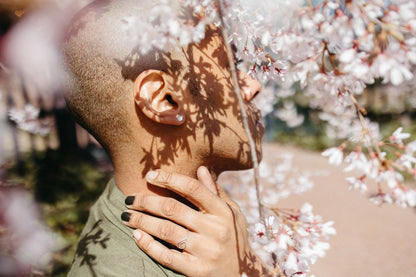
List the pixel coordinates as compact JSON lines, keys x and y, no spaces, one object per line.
{"x":350,"y":43}
{"x":164,"y":28}
{"x":297,"y":238}
{"x":387,"y":165}
{"x":333,"y":50}
{"x":292,"y":239}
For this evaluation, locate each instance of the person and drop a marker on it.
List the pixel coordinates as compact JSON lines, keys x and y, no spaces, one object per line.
{"x":170,"y":122}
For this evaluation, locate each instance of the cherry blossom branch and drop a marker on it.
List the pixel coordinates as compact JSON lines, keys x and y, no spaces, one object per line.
{"x":366,"y":131}
{"x":237,"y":92}
{"x":388,"y":28}
{"x":298,"y":238}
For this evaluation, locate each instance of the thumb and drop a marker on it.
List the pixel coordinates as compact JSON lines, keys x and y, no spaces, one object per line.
{"x":206,"y":179}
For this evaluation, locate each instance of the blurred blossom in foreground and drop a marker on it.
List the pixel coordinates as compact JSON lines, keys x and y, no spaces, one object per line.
{"x":32,"y":47}
{"x":25,"y":242}
{"x":32,"y":61}
{"x":27,"y":120}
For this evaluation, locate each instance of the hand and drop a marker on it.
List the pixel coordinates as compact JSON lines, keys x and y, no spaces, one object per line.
{"x":215,"y":237}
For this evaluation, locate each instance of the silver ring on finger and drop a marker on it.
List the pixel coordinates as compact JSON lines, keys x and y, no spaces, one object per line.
{"x":182,"y":243}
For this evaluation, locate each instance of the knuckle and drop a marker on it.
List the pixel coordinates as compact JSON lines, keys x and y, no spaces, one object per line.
{"x":141,"y":201}
{"x":146,"y":244}
{"x":166,"y":258}
{"x":164,"y":177}
{"x":191,"y":187}
{"x":166,"y":231}
{"x":137,"y":219}
{"x":170,"y":207}
{"x":170,"y":178}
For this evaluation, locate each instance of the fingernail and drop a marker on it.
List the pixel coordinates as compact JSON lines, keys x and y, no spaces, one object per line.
{"x":129,"y":200}
{"x":125,"y":216}
{"x":137,"y":235}
{"x":151,"y":175}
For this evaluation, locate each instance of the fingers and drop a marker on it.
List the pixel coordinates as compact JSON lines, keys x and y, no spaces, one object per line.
{"x":191,"y":189}
{"x":164,"y":230}
{"x":165,"y":256}
{"x":167,"y":208}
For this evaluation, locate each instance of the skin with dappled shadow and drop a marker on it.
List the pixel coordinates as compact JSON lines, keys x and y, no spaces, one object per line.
{"x":209,"y":101}
{"x":175,"y":111}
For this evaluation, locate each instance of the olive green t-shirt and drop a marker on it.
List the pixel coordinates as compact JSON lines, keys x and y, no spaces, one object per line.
{"x":106,"y":246}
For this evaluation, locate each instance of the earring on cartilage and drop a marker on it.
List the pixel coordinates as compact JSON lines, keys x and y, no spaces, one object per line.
{"x":179,"y":117}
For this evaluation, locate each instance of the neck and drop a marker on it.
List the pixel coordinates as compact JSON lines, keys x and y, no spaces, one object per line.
{"x":130,"y":170}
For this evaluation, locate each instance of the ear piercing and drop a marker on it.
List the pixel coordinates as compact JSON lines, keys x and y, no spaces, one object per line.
{"x":179,"y":117}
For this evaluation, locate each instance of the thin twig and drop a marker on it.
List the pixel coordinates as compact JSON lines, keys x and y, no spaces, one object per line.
{"x":365,"y":126}
{"x":245,"y":118}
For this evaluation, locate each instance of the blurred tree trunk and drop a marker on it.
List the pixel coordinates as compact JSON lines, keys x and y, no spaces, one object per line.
{"x":65,"y":128}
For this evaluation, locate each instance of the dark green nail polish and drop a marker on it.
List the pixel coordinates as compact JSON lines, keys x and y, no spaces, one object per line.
{"x":125,"y":216}
{"x":129,"y":200}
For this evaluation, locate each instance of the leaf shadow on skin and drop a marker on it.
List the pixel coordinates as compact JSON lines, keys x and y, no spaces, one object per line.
{"x":208,"y":101}
{"x":211,"y":100}
{"x":94,"y":236}
{"x":246,"y":263}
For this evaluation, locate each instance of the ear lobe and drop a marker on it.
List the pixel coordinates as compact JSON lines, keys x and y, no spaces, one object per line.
{"x":154,"y":98}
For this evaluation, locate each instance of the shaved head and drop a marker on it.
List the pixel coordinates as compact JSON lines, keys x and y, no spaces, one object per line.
{"x":104,"y":60}
{"x":161,"y":108}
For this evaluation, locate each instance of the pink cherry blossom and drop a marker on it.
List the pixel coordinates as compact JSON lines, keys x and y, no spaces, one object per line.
{"x":358,"y":163}
{"x":334,"y":155}
{"x":381,"y":198}
{"x":398,"y":136}
{"x":357,"y":183}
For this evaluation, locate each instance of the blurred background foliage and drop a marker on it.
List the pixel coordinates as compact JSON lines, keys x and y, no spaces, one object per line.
{"x":382,"y":106}
{"x":66,"y":184}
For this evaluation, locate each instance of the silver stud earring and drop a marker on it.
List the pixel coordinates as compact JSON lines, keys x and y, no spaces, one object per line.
{"x":179,"y":117}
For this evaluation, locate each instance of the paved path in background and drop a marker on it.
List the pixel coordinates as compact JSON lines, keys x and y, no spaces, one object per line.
{"x":371,"y":240}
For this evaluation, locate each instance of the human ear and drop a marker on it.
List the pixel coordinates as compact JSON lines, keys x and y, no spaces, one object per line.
{"x":156,"y":99}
